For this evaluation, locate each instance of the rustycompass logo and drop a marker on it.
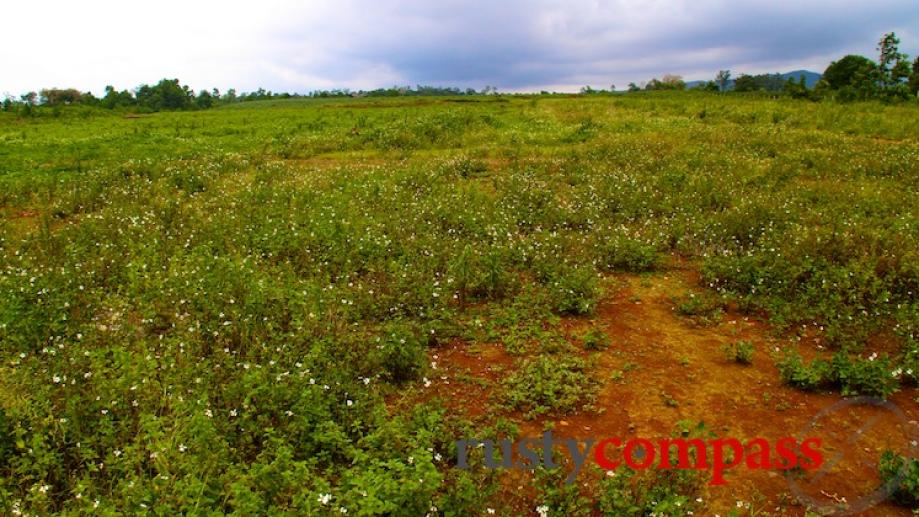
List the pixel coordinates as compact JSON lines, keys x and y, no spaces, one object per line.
{"x":715,"y":455}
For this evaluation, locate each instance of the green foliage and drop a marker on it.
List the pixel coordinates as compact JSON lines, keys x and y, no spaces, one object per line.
{"x":556,"y":497}
{"x":704,"y":307}
{"x":217,"y":305}
{"x":401,"y":354}
{"x":595,"y":339}
{"x":740,"y":352}
{"x":659,"y":492}
{"x":903,"y":471}
{"x":850,"y":374}
{"x":621,"y":253}
{"x":848,"y":71}
{"x":667,"y":82}
{"x":572,"y":289}
{"x":555,"y":384}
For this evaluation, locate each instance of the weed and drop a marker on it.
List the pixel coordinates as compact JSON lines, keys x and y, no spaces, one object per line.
{"x":550,"y":384}
{"x":906,"y":471}
{"x":595,"y":339}
{"x":740,"y":352}
{"x":705,"y":308}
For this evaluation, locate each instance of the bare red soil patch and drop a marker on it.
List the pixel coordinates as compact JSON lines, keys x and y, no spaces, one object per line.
{"x":662,"y":368}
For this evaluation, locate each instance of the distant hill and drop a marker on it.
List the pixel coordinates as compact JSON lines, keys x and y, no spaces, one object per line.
{"x":810,"y":78}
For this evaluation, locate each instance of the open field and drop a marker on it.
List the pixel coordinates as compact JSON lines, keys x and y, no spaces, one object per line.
{"x":299,"y":306}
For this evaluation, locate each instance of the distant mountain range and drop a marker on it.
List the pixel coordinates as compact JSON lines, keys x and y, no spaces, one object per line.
{"x":810,"y":78}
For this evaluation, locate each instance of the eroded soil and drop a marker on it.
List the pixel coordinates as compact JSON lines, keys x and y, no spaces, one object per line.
{"x":663,"y":368}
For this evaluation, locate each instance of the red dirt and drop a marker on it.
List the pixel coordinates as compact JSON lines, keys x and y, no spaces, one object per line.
{"x":681,"y":374}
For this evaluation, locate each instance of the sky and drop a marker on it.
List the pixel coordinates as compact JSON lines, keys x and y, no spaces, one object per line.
{"x":515,"y":45}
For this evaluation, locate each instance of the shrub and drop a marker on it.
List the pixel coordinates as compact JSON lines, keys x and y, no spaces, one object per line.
{"x":851,"y":375}
{"x":621,"y":253}
{"x":857,"y":376}
{"x":595,"y":339}
{"x":703,"y":308}
{"x":401,"y":354}
{"x":671,"y":492}
{"x":800,"y":375}
{"x":740,"y":352}
{"x":548,"y":384}
{"x":574,"y":290}
{"x":892,"y":467}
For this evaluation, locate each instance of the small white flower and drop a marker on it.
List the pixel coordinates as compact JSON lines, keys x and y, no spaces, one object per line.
{"x":324,"y":499}
{"x":543,"y":510}
{"x":491,"y":511}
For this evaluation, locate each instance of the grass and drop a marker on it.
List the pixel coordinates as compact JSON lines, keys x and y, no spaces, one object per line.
{"x":208,"y":311}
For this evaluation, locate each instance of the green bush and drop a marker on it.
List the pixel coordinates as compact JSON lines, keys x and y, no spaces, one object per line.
{"x":574,"y":290}
{"x":740,"y":352}
{"x":595,"y":339}
{"x":620,"y":253}
{"x":893,"y":466}
{"x":704,"y":308}
{"x":850,"y":374}
{"x":550,"y":384}
{"x":401,"y":353}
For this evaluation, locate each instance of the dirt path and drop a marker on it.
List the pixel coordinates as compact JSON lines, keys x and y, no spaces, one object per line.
{"x":662,"y":368}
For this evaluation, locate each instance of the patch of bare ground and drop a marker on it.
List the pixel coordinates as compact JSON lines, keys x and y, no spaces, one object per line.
{"x":662,"y":368}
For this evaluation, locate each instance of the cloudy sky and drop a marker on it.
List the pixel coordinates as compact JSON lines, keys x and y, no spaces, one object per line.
{"x":516,"y":45}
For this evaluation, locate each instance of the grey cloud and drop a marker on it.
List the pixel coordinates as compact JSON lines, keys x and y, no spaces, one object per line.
{"x":525,"y":44}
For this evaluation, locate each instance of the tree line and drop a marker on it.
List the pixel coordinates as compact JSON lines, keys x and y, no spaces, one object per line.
{"x":853,"y":77}
{"x":171,"y":95}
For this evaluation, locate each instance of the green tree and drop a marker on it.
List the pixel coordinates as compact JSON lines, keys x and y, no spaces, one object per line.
{"x":846,"y":71}
{"x":745,"y":83}
{"x":204,"y":99}
{"x":667,"y":82}
{"x":57,"y":96}
{"x":914,"y":78}
{"x":893,"y":67}
{"x":30,"y":98}
{"x":797,"y":90}
{"x":168,"y":94}
{"x":723,"y":79}
{"x":115,"y":99}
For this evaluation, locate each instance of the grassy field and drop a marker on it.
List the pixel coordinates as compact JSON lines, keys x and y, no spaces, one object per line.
{"x":299,"y":306}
